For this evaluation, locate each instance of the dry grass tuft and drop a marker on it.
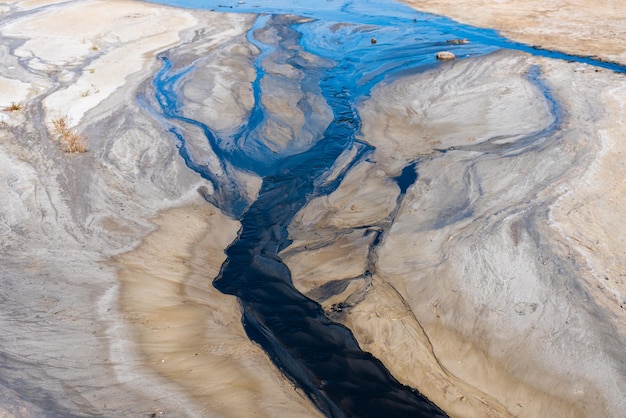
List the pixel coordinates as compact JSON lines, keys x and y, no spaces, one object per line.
{"x":70,"y":141}
{"x":14,"y":106}
{"x":59,"y":125}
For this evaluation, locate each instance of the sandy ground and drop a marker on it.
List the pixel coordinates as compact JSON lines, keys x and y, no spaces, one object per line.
{"x":90,"y":328}
{"x":503,"y":273}
{"x":497,"y":289}
{"x":579,"y":27}
{"x":191,"y":333}
{"x":490,"y":276}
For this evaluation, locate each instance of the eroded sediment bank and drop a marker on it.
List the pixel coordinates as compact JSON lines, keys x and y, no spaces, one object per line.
{"x":189,"y":332}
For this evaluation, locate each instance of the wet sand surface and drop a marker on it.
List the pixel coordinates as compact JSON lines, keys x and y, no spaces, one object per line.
{"x":494,"y":285}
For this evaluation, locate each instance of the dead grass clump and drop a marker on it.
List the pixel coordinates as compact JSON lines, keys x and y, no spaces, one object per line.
{"x":69,"y":140}
{"x":59,"y":125}
{"x":13,"y":107}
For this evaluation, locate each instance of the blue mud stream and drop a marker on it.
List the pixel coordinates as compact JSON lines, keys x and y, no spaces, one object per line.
{"x":320,"y":356}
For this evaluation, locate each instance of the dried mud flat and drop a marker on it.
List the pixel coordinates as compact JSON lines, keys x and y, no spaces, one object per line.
{"x":497,"y":288}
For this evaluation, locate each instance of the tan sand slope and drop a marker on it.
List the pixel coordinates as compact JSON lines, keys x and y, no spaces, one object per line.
{"x":191,"y":333}
{"x":579,"y":27}
{"x":75,"y":340}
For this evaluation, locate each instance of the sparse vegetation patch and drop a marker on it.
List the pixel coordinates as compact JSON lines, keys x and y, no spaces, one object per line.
{"x":13,"y":107}
{"x":69,"y":140}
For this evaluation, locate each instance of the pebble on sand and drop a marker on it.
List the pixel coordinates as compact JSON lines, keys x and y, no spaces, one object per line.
{"x":445,"y":55}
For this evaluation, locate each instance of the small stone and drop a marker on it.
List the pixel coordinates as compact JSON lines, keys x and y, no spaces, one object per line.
{"x":373,"y":41}
{"x":445,"y":55}
{"x":461,"y":41}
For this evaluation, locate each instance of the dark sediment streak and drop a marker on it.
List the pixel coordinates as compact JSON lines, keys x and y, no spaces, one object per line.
{"x":320,"y":356}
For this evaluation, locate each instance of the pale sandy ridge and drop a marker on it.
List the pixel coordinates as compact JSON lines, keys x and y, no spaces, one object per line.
{"x":579,"y":27}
